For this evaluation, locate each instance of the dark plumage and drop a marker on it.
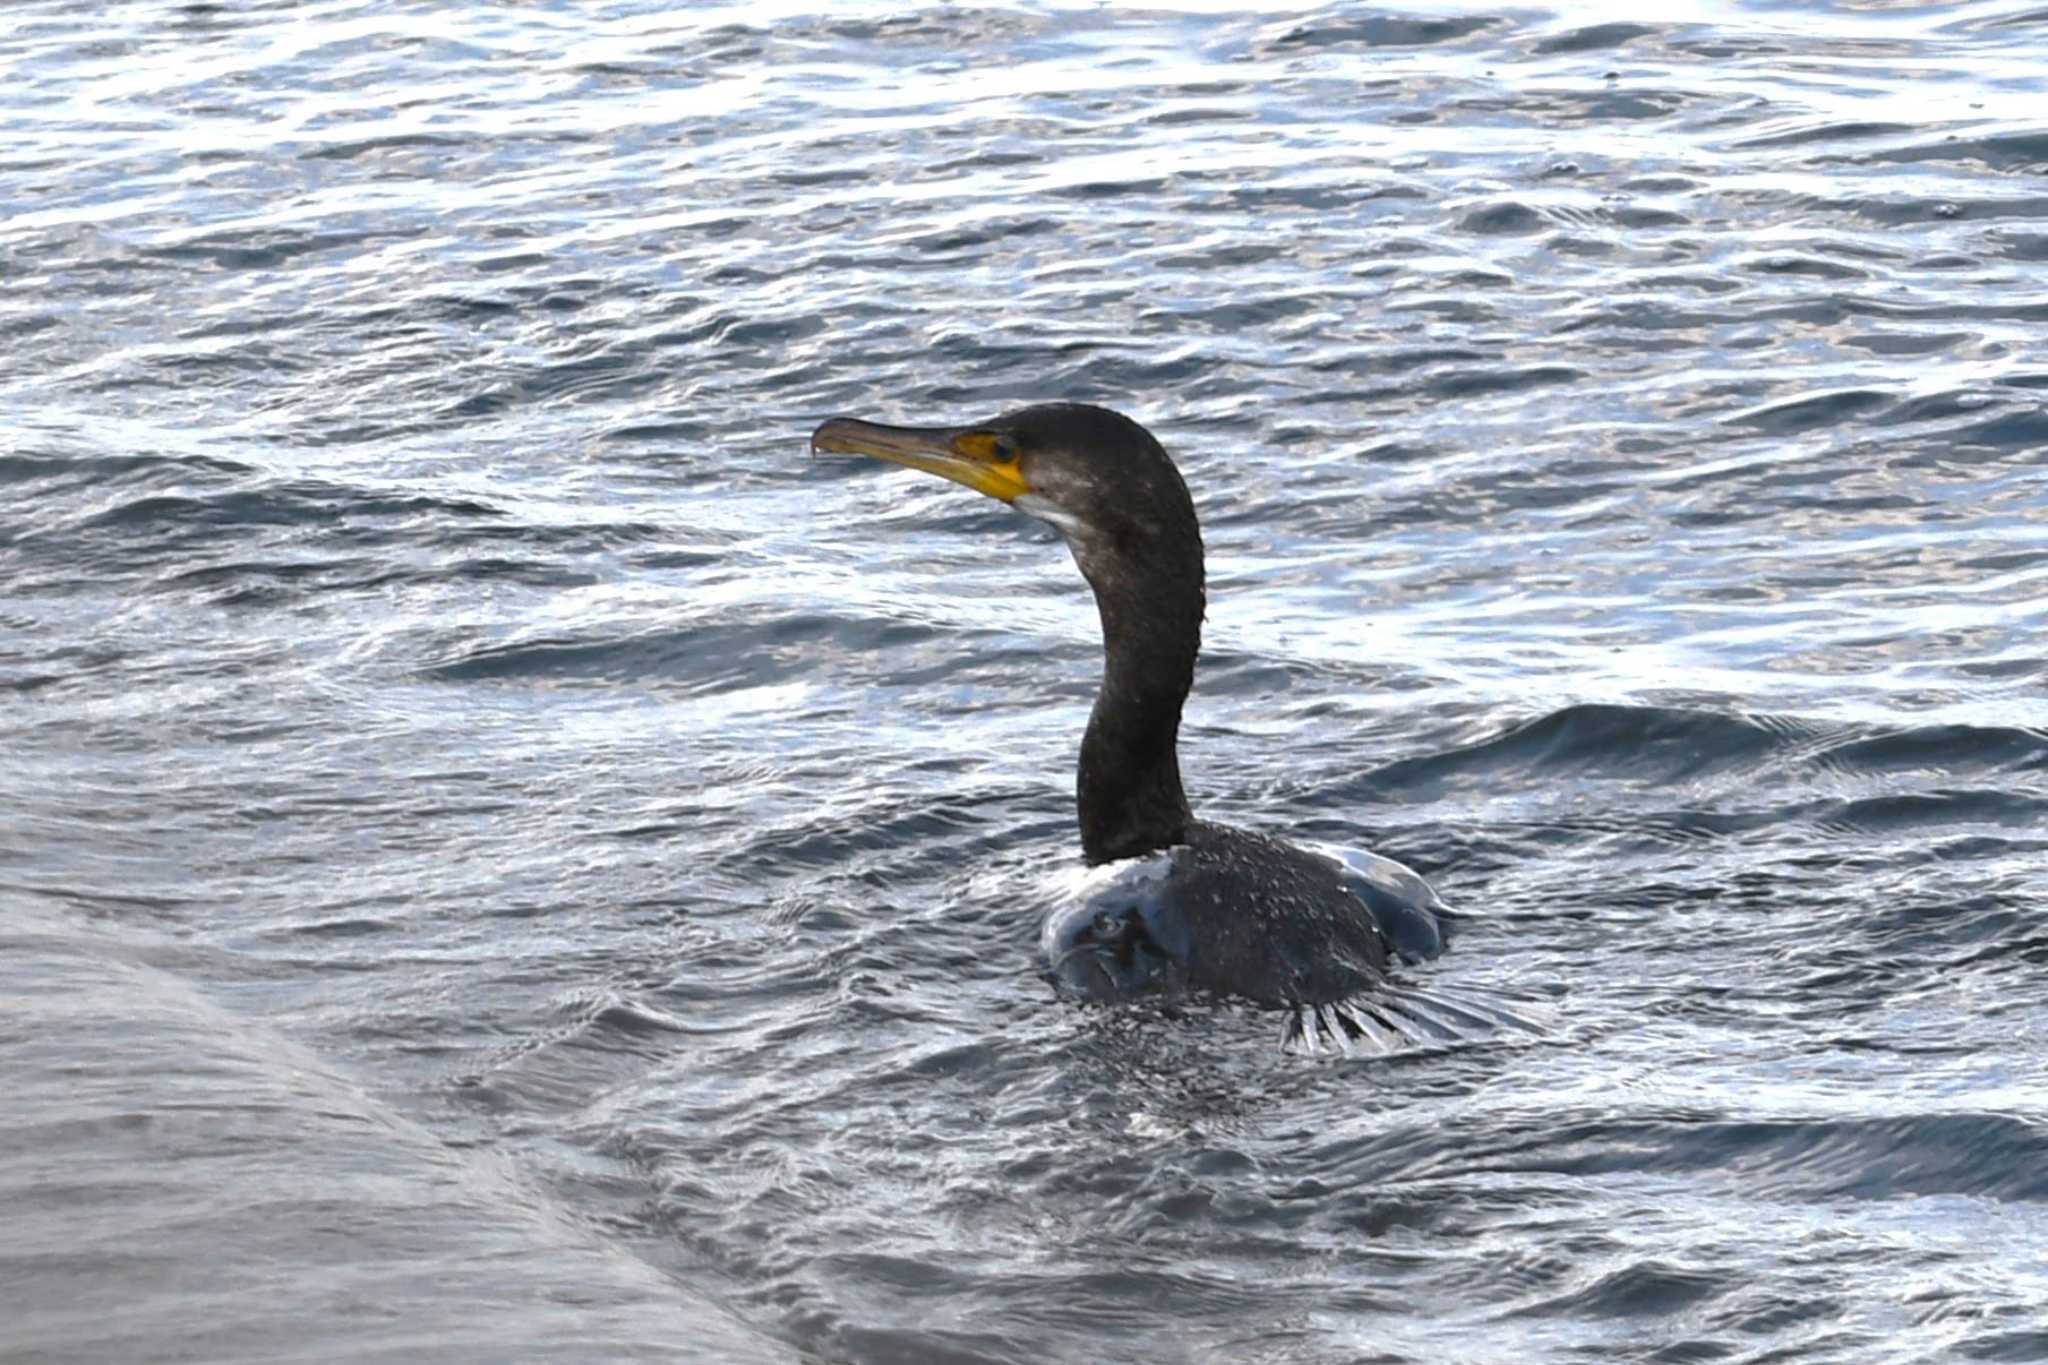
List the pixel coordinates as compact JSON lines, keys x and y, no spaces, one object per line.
{"x":1232,"y":912}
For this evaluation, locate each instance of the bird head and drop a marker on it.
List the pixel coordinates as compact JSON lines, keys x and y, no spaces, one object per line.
{"x":1095,"y":475}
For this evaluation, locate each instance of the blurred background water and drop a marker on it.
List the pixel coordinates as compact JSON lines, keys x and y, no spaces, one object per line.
{"x":506,"y":857}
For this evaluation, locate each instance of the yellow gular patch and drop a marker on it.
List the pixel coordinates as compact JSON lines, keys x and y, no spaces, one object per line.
{"x":999,"y":478}
{"x":976,"y":445}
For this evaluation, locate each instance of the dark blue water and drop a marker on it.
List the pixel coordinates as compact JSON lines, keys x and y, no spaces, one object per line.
{"x":504,"y":856}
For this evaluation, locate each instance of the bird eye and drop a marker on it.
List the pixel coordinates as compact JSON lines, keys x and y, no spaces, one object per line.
{"x":1005,"y":449}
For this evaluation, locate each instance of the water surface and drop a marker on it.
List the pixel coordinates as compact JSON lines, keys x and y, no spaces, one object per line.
{"x":507,"y":856}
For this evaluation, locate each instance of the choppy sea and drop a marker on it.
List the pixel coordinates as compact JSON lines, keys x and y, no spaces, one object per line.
{"x":503,"y":856}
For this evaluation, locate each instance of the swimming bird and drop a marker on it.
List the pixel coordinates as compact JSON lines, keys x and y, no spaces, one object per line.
{"x":1194,"y":907}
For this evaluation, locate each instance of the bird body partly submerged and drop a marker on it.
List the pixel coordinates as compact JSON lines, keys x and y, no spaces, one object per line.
{"x":1189,"y":906}
{"x":1234,"y":912}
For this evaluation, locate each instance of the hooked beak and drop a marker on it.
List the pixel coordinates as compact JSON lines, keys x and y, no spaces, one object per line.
{"x":974,"y":456}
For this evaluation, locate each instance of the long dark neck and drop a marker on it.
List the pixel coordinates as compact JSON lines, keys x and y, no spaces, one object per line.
{"x":1129,"y":789}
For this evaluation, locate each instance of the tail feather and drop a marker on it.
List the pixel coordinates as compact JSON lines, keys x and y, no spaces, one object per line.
{"x":1398,"y":1016}
{"x":1346,"y":1026}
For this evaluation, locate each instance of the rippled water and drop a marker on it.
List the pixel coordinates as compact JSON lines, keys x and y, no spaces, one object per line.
{"x":506,"y":856}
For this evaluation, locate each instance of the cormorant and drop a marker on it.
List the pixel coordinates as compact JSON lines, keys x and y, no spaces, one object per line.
{"x":1193,"y":906}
